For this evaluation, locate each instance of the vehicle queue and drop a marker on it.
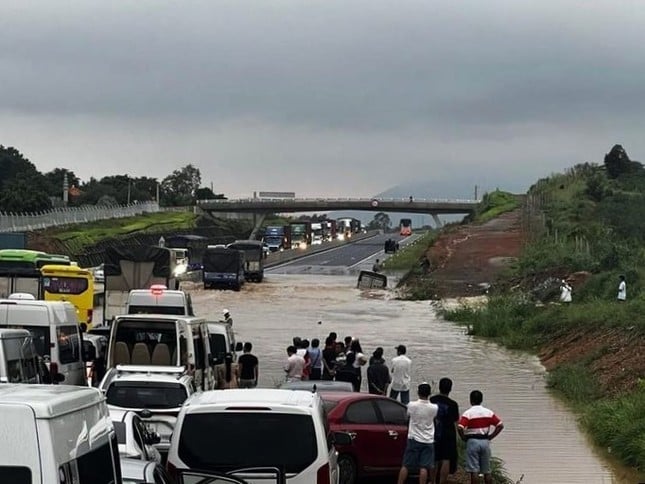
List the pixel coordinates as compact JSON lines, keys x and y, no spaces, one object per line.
{"x":156,"y":369}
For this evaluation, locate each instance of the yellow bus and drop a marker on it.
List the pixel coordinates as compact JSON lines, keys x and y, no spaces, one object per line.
{"x":70,"y":283}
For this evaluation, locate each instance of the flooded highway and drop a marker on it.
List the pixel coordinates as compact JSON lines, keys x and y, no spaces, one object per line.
{"x":541,"y":441}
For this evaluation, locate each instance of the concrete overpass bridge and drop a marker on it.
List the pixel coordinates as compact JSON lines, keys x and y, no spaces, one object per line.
{"x":263,"y":206}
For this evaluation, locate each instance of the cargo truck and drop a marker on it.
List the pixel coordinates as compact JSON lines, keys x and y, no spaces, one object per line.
{"x":253,"y":258}
{"x":300,"y":235}
{"x":329,"y":230}
{"x":317,"y":235}
{"x":136,"y":267}
{"x":223,"y":267}
{"x":277,"y":237}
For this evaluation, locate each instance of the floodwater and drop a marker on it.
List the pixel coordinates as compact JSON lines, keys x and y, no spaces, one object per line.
{"x":541,"y":441}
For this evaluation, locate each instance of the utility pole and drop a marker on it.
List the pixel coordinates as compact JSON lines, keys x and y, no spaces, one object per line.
{"x":129,"y":190}
{"x":476,"y":192}
{"x":158,"y":193}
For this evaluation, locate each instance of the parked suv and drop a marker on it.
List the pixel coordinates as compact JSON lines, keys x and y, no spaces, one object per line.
{"x":244,"y":432}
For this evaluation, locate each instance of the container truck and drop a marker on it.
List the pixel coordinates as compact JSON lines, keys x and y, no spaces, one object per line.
{"x":253,"y":258}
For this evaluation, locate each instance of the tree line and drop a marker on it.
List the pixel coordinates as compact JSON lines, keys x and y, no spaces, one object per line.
{"x":25,"y":189}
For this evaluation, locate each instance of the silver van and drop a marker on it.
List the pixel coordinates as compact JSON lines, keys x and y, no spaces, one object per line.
{"x":55,"y":332}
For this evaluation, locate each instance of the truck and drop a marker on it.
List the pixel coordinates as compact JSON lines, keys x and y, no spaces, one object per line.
{"x":277,"y":237}
{"x":329,"y":230}
{"x":223,"y":267}
{"x":134,"y":267}
{"x":253,"y":258}
{"x":317,"y":234}
{"x":300,"y":234}
{"x":347,"y":227}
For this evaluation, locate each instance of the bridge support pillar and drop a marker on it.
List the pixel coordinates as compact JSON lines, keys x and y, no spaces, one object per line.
{"x":437,"y":220}
{"x":258,"y":220}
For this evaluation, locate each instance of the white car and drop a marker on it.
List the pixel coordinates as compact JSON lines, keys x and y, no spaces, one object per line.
{"x":210,"y":426}
{"x":155,"y":393}
{"x":134,"y":439}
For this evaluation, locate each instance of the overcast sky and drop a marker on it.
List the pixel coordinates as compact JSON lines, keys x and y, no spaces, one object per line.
{"x":323,"y":97}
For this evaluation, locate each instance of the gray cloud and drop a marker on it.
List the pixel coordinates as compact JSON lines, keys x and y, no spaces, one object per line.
{"x":327,"y":91}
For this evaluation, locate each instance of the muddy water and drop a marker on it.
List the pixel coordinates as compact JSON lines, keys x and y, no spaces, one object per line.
{"x":541,"y":441}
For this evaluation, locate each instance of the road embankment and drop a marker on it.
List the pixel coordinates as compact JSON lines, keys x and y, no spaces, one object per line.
{"x":594,"y":350}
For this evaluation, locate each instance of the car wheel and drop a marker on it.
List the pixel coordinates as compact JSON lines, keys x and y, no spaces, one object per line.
{"x":346,"y":470}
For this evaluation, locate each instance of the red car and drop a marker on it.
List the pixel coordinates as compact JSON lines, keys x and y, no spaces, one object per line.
{"x":379,"y":429}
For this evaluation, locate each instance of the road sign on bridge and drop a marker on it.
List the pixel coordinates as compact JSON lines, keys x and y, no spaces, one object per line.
{"x":277,"y":195}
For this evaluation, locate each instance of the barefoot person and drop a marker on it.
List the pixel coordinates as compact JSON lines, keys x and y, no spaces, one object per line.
{"x":419,"y":451}
{"x":475,"y":428}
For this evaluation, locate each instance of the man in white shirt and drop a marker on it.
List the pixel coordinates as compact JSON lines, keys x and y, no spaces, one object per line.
{"x":419,"y":451}
{"x":295,"y":364}
{"x":401,"y":365}
{"x":622,"y":289}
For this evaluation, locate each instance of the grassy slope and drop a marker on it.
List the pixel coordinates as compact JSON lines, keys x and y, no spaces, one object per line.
{"x":614,"y":415}
{"x":90,"y":233}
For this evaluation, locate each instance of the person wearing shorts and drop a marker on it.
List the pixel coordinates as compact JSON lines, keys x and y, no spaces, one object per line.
{"x":419,"y":451}
{"x":475,"y":428}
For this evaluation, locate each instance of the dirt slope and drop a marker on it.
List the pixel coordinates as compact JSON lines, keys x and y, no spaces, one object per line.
{"x":464,"y":260}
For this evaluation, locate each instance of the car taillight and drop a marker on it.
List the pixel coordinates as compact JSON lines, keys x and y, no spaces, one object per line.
{"x":90,"y":314}
{"x":53,"y":371}
{"x":323,"y":475}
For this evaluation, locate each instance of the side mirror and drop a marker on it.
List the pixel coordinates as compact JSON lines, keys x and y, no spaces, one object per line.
{"x":342,"y":438}
{"x":211,"y":360}
{"x":239,"y":347}
{"x":59,"y":378}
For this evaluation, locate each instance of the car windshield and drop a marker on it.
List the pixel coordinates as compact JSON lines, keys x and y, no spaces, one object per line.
{"x":249,"y":439}
{"x":146,"y":395}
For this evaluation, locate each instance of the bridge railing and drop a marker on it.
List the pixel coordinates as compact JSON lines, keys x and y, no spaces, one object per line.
{"x":292,"y":201}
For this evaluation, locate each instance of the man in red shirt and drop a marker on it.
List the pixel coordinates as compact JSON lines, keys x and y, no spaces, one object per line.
{"x":475,"y":428}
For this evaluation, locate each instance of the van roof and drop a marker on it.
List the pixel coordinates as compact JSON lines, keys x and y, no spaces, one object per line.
{"x":36,"y":302}
{"x":254,"y":397}
{"x":49,"y":401}
{"x":162,"y":317}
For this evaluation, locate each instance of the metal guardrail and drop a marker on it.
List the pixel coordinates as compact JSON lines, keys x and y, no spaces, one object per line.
{"x":18,"y":222}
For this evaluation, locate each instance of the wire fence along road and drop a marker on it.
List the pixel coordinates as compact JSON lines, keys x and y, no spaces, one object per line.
{"x":10,"y":222}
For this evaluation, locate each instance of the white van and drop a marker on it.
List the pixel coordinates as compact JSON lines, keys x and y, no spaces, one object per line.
{"x":256,"y":429}
{"x":163,"y":340}
{"x":159,"y":300}
{"x":18,"y":357}
{"x":56,"y":434}
{"x":54,"y":328}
